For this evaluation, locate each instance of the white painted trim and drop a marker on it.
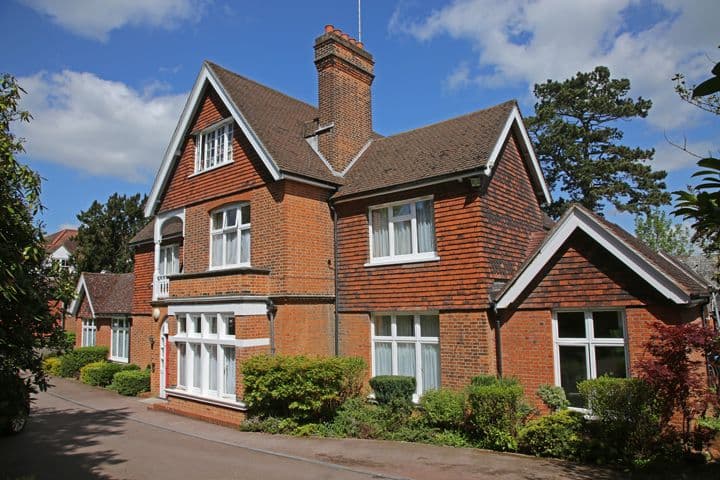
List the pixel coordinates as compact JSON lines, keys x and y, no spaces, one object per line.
{"x":239,"y":229}
{"x":205,"y":77}
{"x":313,"y":142}
{"x":578,"y":218}
{"x":402,"y":260}
{"x":237,"y":342}
{"x":356,"y":157}
{"x":75,"y":305}
{"x":515,"y":120}
{"x":238,"y":309}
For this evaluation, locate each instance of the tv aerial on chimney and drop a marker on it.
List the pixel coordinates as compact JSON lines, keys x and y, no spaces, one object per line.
{"x":359,"y":21}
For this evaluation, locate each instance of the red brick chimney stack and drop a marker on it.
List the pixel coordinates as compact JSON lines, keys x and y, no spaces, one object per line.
{"x":345,"y":74}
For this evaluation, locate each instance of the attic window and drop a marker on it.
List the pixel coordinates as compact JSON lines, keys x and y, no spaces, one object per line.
{"x":213,"y":147}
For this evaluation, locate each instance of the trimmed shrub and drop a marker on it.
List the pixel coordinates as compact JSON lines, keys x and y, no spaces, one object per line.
{"x":393,"y":388}
{"x":51,"y":366}
{"x":443,"y":408}
{"x":359,"y":418}
{"x":305,"y":389}
{"x":495,"y":411}
{"x":131,"y":382}
{"x":100,"y":374}
{"x":553,"y":397}
{"x":559,"y":435}
{"x":72,"y":362}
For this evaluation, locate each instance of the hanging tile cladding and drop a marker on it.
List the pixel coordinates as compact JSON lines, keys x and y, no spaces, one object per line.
{"x":480,"y":238}
{"x":185,"y":188}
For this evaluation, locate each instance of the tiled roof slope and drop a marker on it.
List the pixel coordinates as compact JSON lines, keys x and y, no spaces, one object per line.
{"x":110,"y":293}
{"x":64,"y":238}
{"x":279,"y":122}
{"x":457,"y":145}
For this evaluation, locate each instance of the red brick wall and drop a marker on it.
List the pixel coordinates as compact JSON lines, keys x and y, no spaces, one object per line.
{"x":141,"y":328}
{"x":305,"y":329}
{"x":355,"y":337}
{"x":467,"y":347}
{"x":143,"y":285}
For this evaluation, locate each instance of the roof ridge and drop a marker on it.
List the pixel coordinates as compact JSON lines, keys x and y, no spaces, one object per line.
{"x":247,"y":79}
{"x":447,"y":120}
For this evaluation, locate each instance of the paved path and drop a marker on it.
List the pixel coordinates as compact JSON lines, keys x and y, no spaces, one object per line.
{"x":81,"y":432}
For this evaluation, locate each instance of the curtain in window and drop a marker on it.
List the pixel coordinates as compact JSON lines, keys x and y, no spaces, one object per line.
{"x":430,"y":366}
{"x":229,"y":387}
{"x":231,"y":248}
{"x":403,"y":237}
{"x":406,"y":359}
{"x":197,"y":365}
{"x":425,"y":227}
{"x":217,"y":244}
{"x":381,"y":237}
{"x":175,"y":260}
{"x":212,"y":367}
{"x":383,"y":358}
{"x":245,"y":246}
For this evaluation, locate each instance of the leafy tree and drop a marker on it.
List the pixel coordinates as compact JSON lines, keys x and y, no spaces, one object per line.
{"x":27,"y":283}
{"x":578,"y":144}
{"x":104,"y":233}
{"x":658,"y":232}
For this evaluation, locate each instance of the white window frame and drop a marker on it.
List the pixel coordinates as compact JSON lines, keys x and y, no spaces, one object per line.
{"x":169,"y":252}
{"x":206,"y":340}
{"x":213,"y":146}
{"x":239,"y":228}
{"x":89,"y":332}
{"x":394,"y":339}
{"x":119,"y":332}
{"x":414,"y":256}
{"x":589,"y":342}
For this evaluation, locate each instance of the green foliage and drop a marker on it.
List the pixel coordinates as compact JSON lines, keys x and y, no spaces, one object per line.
{"x":28,"y":325}
{"x":711,"y":423}
{"x":72,"y":362}
{"x":701,"y":205}
{"x":658,"y":232}
{"x":69,"y":341}
{"x":357,"y":418}
{"x":579,"y":146}
{"x":100,"y":374}
{"x":305,"y":389}
{"x":626,"y":425}
{"x":104,"y":233}
{"x":131,"y":382}
{"x":553,"y":396}
{"x":392,"y":388}
{"x":443,"y":408}
{"x":559,"y":435}
{"x":495,"y":411}
{"x":51,"y":366}
{"x":450,"y":438}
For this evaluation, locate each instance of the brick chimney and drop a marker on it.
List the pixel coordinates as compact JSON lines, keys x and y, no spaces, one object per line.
{"x":345,"y":73}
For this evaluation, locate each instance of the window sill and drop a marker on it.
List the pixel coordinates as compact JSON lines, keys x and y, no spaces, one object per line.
{"x":221,"y":271}
{"x":221,"y":402}
{"x":119,"y":360}
{"x":239,"y":266}
{"x":211,"y":169}
{"x":236,"y":342}
{"x":401,"y":261}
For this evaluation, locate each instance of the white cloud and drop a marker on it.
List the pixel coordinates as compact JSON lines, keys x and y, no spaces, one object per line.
{"x":97,"y":126}
{"x":670,"y":157}
{"x":530,"y":41}
{"x":97,"y":18}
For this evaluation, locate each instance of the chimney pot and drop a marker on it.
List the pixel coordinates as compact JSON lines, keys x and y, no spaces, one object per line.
{"x":329,"y":28}
{"x":345,"y":36}
{"x":360,"y":45}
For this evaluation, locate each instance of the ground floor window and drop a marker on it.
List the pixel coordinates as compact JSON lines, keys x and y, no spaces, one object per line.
{"x":206,"y":354}
{"x":407,"y":344}
{"x":588,"y":344}
{"x":88,"y":332}
{"x":120,"y":339}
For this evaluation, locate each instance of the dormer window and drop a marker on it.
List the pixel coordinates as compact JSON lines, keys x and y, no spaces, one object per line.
{"x":213,"y":146}
{"x":230,"y":237}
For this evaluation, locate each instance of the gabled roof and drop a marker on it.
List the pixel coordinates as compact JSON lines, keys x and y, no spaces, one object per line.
{"x":107,"y":293}
{"x":62,"y":238}
{"x":659,"y":271}
{"x":272,"y":121}
{"x":469,"y":143}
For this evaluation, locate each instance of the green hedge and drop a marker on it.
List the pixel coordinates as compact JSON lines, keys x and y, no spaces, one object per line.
{"x":72,"y":362}
{"x":303,"y":388}
{"x":443,"y":408}
{"x":393,"y":388}
{"x":559,"y":434}
{"x":553,"y":397}
{"x":495,"y":411}
{"x":100,"y":374}
{"x":131,"y":382}
{"x":51,"y":365}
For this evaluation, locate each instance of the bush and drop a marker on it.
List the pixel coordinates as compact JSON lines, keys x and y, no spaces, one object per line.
{"x":553,"y":397}
{"x":392,"y":388}
{"x":51,"y":366}
{"x":559,"y":435}
{"x":100,"y":374}
{"x":272,"y":425}
{"x":443,"y":408}
{"x":69,"y":344}
{"x":495,"y":411}
{"x":131,"y":382}
{"x":358,"y":418}
{"x":305,"y":389}
{"x":72,"y":362}
{"x":626,"y":424}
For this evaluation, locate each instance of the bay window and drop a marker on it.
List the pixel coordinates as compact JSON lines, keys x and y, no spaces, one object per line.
{"x":588,"y":344}
{"x":206,"y":354}
{"x":230,"y":237}
{"x":120,"y":339}
{"x":402,"y":231}
{"x":408,"y":345}
{"x":89,"y":330}
{"x":213,"y":147}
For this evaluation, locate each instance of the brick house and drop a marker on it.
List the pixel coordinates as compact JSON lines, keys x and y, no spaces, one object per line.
{"x":280,"y":227}
{"x":59,"y":246}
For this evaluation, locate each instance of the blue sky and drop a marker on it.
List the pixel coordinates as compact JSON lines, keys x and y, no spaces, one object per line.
{"x":106,"y":80}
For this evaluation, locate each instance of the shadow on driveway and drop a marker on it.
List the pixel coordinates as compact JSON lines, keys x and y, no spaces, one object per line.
{"x":61,"y":444}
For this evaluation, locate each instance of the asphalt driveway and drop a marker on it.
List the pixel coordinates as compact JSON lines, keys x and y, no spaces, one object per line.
{"x":83,"y":432}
